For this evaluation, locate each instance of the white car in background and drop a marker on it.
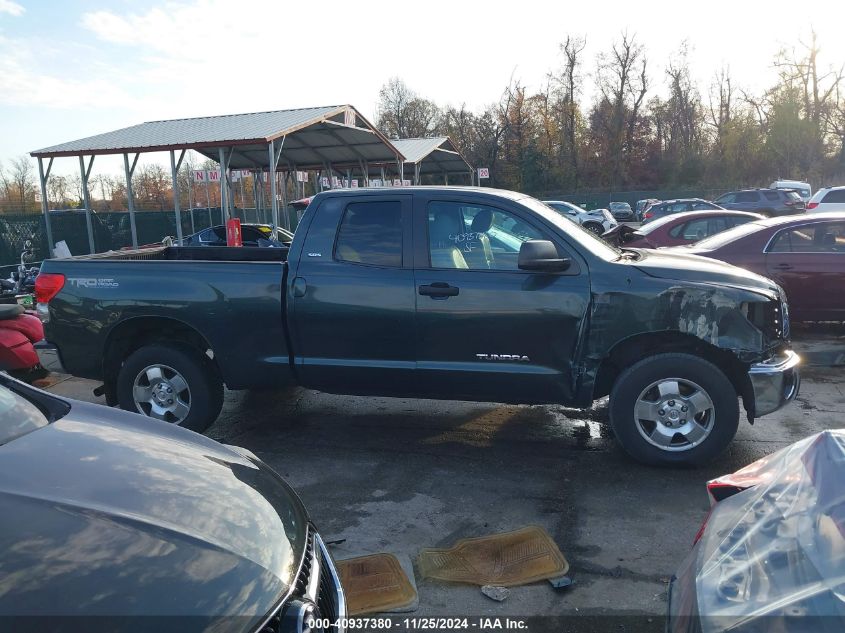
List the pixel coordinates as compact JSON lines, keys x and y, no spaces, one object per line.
{"x":803,"y":189}
{"x":827,"y":199}
{"x":598,"y":221}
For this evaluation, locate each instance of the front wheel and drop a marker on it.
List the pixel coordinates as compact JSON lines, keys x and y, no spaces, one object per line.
{"x":594,"y":227}
{"x":674,"y":409}
{"x":172,"y":384}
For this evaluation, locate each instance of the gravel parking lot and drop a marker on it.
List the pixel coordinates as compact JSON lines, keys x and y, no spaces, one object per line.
{"x":391,"y":475}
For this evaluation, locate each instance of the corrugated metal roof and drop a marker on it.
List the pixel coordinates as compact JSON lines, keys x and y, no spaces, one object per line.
{"x":314,"y":136}
{"x":434,"y":155}
{"x":416,"y":149}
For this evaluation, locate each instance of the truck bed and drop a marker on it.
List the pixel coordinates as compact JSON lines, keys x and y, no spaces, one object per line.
{"x":230,"y":297}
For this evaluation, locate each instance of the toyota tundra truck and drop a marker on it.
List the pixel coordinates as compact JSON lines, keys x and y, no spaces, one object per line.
{"x":431,"y":292}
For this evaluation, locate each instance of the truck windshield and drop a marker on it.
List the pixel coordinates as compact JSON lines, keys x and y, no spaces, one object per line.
{"x":579,"y":234}
{"x":18,"y":416}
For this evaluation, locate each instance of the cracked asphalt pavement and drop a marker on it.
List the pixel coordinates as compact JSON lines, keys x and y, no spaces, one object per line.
{"x":393,"y":475}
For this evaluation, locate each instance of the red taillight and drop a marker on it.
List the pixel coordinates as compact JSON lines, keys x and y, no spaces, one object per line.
{"x":648,"y":214}
{"x":47,"y":286}
{"x":812,"y":205}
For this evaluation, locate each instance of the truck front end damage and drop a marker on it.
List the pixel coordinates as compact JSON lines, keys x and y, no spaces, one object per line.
{"x":743,"y":328}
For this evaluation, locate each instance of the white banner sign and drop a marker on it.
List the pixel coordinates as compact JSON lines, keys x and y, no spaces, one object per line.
{"x":235,"y":175}
{"x":376,"y":182}
{"x":349,"y":118}
{"x":483,"y":172}
{"x":397,"y":182}
{"x":324,"y":182}
{"x":406,"y":183}
{"x":355,"y":184}
{"x":200,"y":175}
{"x":302,"y":176}
{"x":214,"y":175}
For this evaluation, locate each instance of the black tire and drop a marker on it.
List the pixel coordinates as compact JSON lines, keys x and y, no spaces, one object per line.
{"x":204,"y":383}
{"x":722,"y":418}
{"x":594,"y":227}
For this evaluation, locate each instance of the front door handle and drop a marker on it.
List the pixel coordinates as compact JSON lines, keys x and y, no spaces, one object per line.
{"x":783,"y":267}
{"x":439,"y":290}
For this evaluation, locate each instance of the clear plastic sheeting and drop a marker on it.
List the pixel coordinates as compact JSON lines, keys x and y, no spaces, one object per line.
{"x":771,"y":557}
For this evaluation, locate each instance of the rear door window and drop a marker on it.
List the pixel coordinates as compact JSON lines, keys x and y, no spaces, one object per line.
{"x":772,"y":195}
{"x":747,"y":196}
{"x":370,"y":233}
{"x":728,"y":198}
{"x":828,"y":237}
{"x":838,"y":195}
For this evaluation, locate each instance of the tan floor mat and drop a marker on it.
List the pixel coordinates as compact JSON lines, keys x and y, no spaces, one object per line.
{"x":375,"y":583}
{"x":504,"y":560}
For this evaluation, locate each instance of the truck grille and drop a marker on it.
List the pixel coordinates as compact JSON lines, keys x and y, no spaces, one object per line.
{"x":317,"y":582}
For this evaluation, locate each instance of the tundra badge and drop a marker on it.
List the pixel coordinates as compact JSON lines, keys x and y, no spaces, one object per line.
{"x":508,"y":357}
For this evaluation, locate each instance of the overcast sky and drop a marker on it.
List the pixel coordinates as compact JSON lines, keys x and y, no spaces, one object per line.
{"x":70,"y":69}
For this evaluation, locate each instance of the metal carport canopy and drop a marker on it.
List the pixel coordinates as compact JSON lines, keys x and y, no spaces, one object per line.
{"x":436,"y":155}
{"x":307,"y":139}
{"x":314,"y":138}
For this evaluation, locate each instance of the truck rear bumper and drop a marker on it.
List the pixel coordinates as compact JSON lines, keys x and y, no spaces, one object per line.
{"x":775,"y":382}
{"x":49,"y":357}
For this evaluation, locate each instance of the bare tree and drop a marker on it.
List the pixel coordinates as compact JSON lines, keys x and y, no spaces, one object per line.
{"x":18,"y":183}
{"x":623,"y":83}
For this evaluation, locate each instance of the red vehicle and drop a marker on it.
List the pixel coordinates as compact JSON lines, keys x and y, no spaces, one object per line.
{"x":19,"y":331}
{"x":805,"y":254}
{"x":679,"y":229}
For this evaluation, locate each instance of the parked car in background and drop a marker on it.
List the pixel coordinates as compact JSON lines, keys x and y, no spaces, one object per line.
{"x":804,"y":254}
{"x":680,"y":205}
{"x":803,"y":189}
{"x":769,"y":202}
{"x":643,"y":206}
{"x":828,"y":199}
{"x":252,"y":235}
{"x":622,"y":211}
{"x":598,"y":221}
{"x":679,"y":229}
{"x":118,"y":521}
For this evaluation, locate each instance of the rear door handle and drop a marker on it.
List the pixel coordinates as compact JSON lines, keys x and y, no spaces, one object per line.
{"x":439,"y":290}
{"x":783,"y":267}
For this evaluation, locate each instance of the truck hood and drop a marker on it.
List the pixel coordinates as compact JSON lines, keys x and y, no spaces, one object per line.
{"x":112,"y":514}
{"x":676,"y":263}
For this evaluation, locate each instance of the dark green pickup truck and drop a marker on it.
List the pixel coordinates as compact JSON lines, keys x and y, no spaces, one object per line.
{"x":448,"y":293}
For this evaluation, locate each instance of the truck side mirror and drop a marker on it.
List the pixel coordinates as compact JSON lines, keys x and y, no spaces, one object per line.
{"x":541,"y":256}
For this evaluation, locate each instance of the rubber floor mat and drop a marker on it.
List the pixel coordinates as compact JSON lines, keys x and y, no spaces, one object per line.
{"x":504,"y":560}
{"x":375,"y":583}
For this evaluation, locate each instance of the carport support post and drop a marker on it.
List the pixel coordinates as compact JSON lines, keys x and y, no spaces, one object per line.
{"x":130,"y":196}
{"x":224,"y":196}
{"x":42,"y":177}
{"x":274,"y":155}
{"x":174,"y":171}
{"x":274,"y":204}
{"x":87,"y":199}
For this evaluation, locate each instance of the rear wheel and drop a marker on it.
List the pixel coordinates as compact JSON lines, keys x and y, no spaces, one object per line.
{"x":674,"y":409}
{"x":176,"y":385}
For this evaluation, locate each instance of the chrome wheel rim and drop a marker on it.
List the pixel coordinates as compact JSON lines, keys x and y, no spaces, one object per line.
{"x":674,"y":414}
{"x":162,"y":393}
{"x":593,"y":228}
